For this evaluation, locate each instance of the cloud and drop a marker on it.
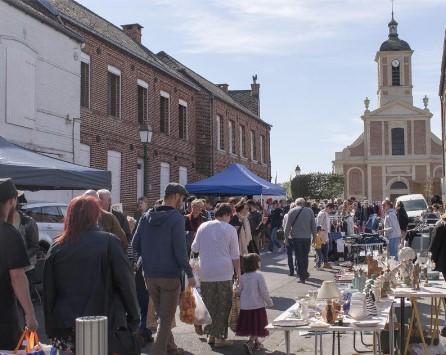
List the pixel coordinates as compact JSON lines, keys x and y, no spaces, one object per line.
{"x":266,"y":26}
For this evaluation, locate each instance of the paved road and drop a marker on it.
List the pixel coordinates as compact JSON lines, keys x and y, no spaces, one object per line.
{"x":284,"y":290}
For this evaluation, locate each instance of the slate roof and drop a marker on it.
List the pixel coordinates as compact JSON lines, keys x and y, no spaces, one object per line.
{"x":40,"y":12}
{"x":86,"y":19}
{"x":244,"y":97}
{"x":394,"y":44}
{"x":207,"y":85}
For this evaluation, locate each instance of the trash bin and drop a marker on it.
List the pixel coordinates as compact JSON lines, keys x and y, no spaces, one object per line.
{"x":91,"y":336}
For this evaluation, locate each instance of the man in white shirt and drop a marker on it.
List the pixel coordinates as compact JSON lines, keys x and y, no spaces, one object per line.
{"x":391,"y":229}
{"x":217,"y":243}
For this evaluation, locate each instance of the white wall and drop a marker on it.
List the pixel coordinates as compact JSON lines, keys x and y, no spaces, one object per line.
{"x":39,"y":89}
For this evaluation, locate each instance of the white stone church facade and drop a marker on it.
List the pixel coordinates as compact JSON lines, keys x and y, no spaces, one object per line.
{"x":397,"y":153}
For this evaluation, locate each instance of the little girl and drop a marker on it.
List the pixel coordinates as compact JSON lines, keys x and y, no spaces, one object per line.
{"x":254,"y":295}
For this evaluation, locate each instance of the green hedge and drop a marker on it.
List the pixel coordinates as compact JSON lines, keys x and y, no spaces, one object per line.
{"x":317,"y":186}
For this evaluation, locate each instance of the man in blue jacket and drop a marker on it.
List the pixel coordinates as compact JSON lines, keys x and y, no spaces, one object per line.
{"x":161,"y":242}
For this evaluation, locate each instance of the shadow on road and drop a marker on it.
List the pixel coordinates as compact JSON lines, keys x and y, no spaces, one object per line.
{"x":282,"y":303}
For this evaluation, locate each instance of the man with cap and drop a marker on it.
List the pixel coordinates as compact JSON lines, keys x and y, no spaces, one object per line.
{"x":13,"y":281}
{"x":161,"y":242}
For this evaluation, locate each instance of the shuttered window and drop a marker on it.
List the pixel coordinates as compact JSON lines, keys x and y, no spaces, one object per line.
{"x":182,"y":121}
{"x":243,"y":141}
{"x":114,"y":95}
{"x":164,"y":114}
{"x":142,"y":105}
{"x":253,"y":146}
{"x":85,"y":84}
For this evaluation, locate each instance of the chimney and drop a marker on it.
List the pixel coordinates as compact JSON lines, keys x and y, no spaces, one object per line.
{"x":224,"y":87}
{"x":133,"y":31}
{"x":255,"y":88}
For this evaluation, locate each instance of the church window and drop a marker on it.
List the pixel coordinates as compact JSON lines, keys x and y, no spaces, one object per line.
{"x":398,"y":141}
{"x":398,"y":185}
{"x":396,"y":76}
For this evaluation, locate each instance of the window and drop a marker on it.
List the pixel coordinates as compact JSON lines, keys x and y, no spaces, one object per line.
{"x":182,"y":120}
{"x":396,"y":76}
{"x":114,"y":166}
{"x":164,"y":112}
{"x":85,"y":80}
{"x":231,"y":135}
{"x":114,"y":92}
{"x":262,"y":149}
{"x":46,"y":214}
{"x":142,"y":101}
{"x":253,"y":146}
{"x":164,"y":177}
{"x":182,"y":172}
{"x":397,"y":141}
{"x":242,"y":141}
{"x":220,"y":133}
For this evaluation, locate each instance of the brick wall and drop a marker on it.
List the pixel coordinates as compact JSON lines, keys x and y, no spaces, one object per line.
{"x":103,"y":132}
{"x":420,"y":134}
{"x":223,"y":158}
{"x":377,"y":188}
{"x":376,"y":136}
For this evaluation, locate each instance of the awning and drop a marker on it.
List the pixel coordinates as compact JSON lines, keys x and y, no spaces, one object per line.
{"x":34,"y":171}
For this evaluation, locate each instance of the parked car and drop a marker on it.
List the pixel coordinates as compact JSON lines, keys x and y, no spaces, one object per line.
{"x":50,"y":221}
{"x":415,"y":206}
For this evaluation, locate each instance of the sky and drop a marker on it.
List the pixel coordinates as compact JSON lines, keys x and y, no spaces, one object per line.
{"x":314,"y":60}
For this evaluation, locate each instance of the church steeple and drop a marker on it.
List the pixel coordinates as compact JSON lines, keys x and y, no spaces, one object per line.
{"x":394,"y":67}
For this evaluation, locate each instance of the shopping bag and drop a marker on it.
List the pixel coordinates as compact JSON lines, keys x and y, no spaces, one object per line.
{"x":187,"y":306}
{"x":202,"y":315}
{"x":33,"y":346}
{"x":235,"y":309}
{"x":195,"y":265}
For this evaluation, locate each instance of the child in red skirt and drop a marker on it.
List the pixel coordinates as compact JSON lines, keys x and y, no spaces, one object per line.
{"x":254,"y":296}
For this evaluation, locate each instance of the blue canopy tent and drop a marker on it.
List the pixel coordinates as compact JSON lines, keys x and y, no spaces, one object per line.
{"x":33,"y":171}
{"x":235,"y":180}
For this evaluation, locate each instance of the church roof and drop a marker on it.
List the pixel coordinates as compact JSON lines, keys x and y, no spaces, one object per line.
{"x":394,"y":43}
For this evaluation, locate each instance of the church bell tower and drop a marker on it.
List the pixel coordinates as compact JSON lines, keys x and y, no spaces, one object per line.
{"x":394,"y":60}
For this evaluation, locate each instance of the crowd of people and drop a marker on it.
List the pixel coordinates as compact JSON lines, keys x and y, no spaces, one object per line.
{"x":133,"y":269}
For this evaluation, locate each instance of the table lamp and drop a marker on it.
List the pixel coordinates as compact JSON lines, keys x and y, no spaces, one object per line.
{"x":328,"y":292}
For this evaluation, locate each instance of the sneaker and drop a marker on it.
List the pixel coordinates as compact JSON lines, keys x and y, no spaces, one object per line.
{"x":221,"y":343}
{"x":211,"y":340}
{"x":291,"y":274}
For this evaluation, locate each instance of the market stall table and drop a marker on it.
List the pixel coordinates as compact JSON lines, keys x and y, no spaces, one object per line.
{"x":436,"y":291}
{"x":385,"y":308}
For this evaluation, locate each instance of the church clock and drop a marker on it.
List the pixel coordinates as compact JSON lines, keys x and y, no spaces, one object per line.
{"x":395,"y":63}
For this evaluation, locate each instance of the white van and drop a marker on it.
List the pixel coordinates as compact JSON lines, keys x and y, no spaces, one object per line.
{"x":415,"y":205}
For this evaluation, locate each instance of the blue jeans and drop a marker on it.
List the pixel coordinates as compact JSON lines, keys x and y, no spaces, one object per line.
{"x":322,"y":255}
{"x":393,"y":247}
{"x":302,"y":249}
{"x":273,"y":239}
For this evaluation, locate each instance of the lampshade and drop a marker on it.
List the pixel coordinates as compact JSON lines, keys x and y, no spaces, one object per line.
{"x":328,"y":291}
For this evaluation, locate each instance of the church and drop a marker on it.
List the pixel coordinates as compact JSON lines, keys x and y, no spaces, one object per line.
{"x":397,"y":153}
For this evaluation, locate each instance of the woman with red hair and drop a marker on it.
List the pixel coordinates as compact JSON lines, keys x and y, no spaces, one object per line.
{"x":87,"y":274}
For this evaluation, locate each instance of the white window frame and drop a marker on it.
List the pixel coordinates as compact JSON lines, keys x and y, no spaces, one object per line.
{"x":116,"y":71}
{"x":184,"y":104}
{"x":184,"y":170}
{"x":230,"y":133}
{"x":85,"y":58}
{"x":167,"y":96}
{"x":144,"y":85}
{"x":162,"y":188}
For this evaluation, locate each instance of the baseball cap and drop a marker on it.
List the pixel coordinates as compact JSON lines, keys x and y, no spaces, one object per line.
{"x":175,"y":188}
{"x":7,"y":189}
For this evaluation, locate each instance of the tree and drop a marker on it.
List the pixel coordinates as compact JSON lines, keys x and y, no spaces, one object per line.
{"x":317,"y":186}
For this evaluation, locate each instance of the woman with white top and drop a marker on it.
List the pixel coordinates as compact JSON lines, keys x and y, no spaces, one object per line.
{"x":217,"y":243}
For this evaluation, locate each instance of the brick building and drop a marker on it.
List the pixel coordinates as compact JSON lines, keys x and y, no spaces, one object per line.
{"x":124,"y":87}
{"x":229,"y":127}
{"x":397,"y":153}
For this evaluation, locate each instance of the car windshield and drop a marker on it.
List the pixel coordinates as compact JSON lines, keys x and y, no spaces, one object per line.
{"x":415,"y":205}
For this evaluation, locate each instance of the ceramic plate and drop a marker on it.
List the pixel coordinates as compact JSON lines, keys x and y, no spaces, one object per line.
{"x":366,"y":323}
{"x":290,"y":322}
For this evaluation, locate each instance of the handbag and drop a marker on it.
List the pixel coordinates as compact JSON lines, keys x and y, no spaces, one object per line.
{"x":235,"y":310}
{"x":33,"y":345}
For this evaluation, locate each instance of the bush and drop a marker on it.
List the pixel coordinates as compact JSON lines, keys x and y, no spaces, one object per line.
{"x":317,"y":186}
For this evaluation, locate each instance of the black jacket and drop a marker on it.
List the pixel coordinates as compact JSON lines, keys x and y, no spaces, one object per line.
{"x":438,"y":247}
{"x":88,"y":276}
{"x":403,"y":218}
{"x":122,"y":219}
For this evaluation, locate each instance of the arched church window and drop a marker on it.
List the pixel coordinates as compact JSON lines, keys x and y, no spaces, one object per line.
{"x":397,"y":141}
{"x":396,"y":75}
{"x":398,"y":185}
